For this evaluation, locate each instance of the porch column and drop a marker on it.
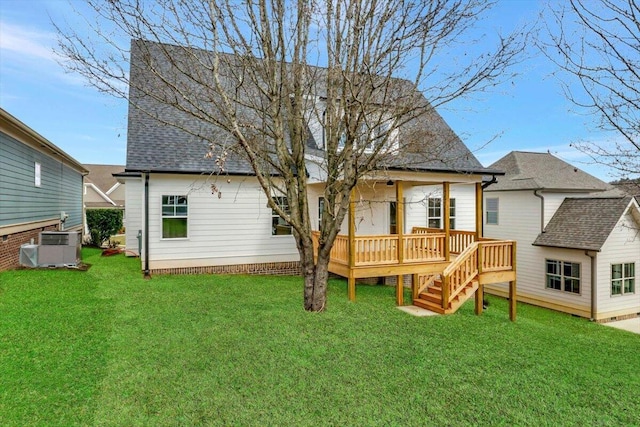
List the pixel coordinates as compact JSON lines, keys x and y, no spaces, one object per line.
{"x":478,"y":210}
{"x":351,"y":281}
{"x":400,"y":232}
{"x":445,"y":218}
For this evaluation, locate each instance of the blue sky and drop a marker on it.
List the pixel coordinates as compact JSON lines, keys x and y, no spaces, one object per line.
{"x":528,"y":113}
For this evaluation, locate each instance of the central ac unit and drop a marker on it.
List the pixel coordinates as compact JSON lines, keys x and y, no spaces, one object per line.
{"x":59,"y":248}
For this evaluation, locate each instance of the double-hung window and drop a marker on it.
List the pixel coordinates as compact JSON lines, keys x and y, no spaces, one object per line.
{"x":491,"y":211}
{"x":563,"y":276}
{"x":623,"y":278}
{"x":278,"y":225}
{"x":435,"y":212}
{"x":174,"y":217}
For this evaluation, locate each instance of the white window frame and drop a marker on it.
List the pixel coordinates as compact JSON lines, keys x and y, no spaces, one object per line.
{"x":434,"y":211}
{"x":562,"y":276}
{"x":625,"y":276}
{"x":440,"y":214}
{"x":488,"y":209}
{"x":277,"y":220}
{"x":321,"y":202}
{"x":177,"y":212}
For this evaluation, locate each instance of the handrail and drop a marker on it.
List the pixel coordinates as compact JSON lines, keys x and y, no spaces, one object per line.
{"x":459,"y":274}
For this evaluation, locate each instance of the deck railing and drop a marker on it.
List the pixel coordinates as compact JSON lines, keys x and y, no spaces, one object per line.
{"x":479,"y":257}
{"x":383,"y":249}
{"x":458,"y":240}
{"x":497,"y":255}
{"x":422,"y":246}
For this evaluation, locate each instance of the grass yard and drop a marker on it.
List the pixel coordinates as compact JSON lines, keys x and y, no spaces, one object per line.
{"x":106,"y":347}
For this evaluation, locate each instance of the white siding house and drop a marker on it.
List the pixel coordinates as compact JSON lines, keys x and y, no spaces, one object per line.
{"x":572,"y":231}
{"x":186,"y":225}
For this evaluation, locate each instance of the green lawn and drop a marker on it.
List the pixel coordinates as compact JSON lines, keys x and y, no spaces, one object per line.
{"x":106,"y":347}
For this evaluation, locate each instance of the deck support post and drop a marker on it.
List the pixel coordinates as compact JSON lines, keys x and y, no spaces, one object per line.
{"x":478,"y":211}
{"x":351,"y":288}
{"x":400,"y":232}
{"x":479,"y":299}
{"x":415,"y":284}
{"x":445,"y":218}
{"x":351,"y":282}
{"x":400,"y":290}
{"x":512,"y":300}
{"x":512,"y":285}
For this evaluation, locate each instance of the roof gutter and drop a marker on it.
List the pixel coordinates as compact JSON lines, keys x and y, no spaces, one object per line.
{"x":541,"y":197}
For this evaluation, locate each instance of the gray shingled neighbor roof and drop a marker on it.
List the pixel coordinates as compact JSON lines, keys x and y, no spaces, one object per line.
{"x":102,"y":175}
{"x":156,"y":146}
{"x":583,"y":223}
{"x":543,"y":171}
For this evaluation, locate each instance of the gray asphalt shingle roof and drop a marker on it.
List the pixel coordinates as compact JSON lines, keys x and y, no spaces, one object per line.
{"x":542,"y":171}
{"x":102,"y":175}
{"x":583,"y":223}
{"x":155,"y":145}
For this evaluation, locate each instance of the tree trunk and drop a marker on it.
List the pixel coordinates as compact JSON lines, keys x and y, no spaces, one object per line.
{"x":315,"y":283}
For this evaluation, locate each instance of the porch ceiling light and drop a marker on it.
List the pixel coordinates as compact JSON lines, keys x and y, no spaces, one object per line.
{"x":390,"y":183}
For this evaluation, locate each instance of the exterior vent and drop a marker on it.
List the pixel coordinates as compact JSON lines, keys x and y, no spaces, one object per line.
{"x":29,"y":255}
{"x":58,"y":249}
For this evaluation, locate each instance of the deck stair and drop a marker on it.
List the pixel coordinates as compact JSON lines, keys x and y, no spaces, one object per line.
{"x":445,"y":293}
{"x":431,"y":297}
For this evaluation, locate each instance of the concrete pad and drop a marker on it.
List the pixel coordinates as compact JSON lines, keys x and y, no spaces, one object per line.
{"x":631,"y":325}
{"x":416,"y":311}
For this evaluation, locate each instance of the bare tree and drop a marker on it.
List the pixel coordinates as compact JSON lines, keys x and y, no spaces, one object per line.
{"x":256,"y":74}
{"x":596,"y":45}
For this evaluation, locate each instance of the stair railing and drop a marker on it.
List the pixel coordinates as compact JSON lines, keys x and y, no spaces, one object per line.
{"x":459,"y":274}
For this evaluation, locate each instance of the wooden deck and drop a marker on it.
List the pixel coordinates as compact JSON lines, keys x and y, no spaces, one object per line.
{"x":452,"y":267}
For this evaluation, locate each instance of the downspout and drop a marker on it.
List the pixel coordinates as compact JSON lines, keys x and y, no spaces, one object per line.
{"x":147,"y":273}
{"x":594,"y":283}
{"x":488,"y":183}
{"x":541,"y":197}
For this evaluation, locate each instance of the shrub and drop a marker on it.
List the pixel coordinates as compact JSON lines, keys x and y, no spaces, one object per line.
{"x":103,"y":223}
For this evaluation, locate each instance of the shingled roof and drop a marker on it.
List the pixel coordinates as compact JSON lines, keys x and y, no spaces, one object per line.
{"x":102,"y":175}
{"x":583,"y":223}
{"x":543,"y":171}
{"x":155,"y":144}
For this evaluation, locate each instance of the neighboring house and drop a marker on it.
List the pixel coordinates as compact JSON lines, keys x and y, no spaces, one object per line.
{"x":578,"y":237}
{"x":102,"y":189}
{"x":398,"y":215}
{"x":40,"y":188}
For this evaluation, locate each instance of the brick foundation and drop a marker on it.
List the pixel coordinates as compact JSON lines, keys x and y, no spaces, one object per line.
{"x":623,"y":317}
{"x":270,"y":268}
{"x":10,"y":245}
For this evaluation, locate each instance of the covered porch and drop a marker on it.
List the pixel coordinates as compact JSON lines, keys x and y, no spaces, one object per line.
{"x":452,"y":263}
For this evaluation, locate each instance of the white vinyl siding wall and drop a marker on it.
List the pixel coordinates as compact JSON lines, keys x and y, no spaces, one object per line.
{"x":233,"y":229}
{"x":134,"y":198}
{"x":622,"y":246}
{"x":416,"y":205}
{"x":520,"y":221}
{"x":372,"y":208}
